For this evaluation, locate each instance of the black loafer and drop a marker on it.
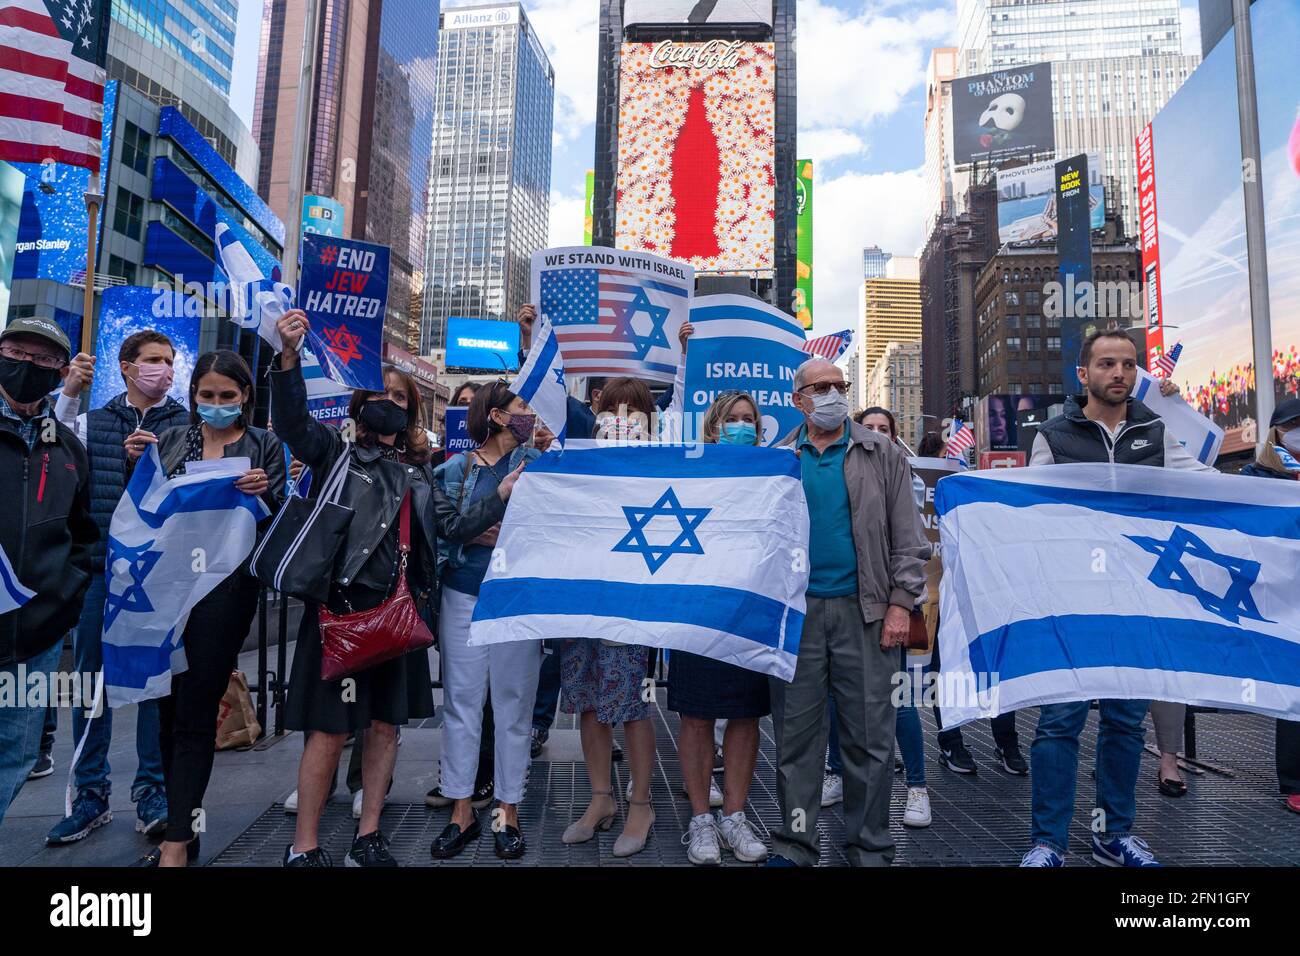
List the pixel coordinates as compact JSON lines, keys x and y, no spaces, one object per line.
{"x":1172,"y":788}
{"x":453,"y":839}
{"x":154,"y":857}
{"x":509,"y":843}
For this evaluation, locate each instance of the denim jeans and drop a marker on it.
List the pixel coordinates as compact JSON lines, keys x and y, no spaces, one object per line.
{"x":907,"y":728}
{"x":20,"y":727}
{"x":548,"y":689}
{"x":92,"y":771}
{"x":1055,"y":764}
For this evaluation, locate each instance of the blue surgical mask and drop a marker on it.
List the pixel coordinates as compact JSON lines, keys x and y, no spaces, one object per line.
{"x":737,"y":433}
{"x":219,"y":416}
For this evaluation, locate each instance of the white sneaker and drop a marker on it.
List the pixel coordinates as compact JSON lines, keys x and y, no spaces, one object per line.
{"x":715,"y":793}
{"x":701,"y":840}
{"x":739,"y":836}
{"x":832,"y":790}
{"x":291,"y":803}
{"x":356,"y":804}
{"x":917,"y":813}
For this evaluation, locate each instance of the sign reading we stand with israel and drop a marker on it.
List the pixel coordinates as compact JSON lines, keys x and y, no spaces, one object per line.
{"x":343,"y":288}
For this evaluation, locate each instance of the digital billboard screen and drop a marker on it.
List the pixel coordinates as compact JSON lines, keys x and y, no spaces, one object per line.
{"x":679,"y":12}
{"x":1003,"y":114}
{"x":803,"y":264}
{"x":696,"y":153}
{"x":482,"y":343}
{"x":1027,"y":201}
{"x":997,"y":420}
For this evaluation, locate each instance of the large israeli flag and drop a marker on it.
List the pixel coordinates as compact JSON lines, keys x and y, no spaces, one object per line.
{"x":169,"y":544}
{"x":701,"y":550}
{"x":540,"y":382}
{"x":258,"y":301}
{"x":1073,"y":582}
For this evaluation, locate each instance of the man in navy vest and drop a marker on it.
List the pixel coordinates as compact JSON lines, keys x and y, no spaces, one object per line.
{"x":1105,"y":424}
{"x":146,"y":360}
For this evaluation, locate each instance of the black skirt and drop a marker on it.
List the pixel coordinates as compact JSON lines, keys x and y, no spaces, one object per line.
{"x":394,"y":692}
{"x":714,"y":690}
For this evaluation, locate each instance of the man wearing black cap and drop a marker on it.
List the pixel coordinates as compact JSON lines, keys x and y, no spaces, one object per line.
{"x":46,"y":537}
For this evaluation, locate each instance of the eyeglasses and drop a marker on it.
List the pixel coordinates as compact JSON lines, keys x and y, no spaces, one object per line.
{"x":821,"y":388}
{"x":39,"y":359}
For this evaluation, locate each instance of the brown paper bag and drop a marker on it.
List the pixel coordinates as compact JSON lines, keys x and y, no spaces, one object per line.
{"x":237,"y":724}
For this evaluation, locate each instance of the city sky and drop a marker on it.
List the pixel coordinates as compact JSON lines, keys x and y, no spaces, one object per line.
{"x":861,"y":112}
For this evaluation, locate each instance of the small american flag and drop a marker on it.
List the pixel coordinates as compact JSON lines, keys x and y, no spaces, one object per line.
{"x":1166,"y":361}
{"x":830,"y":347}
{"x":52,"y":56}
{"x":962,"y":440}
{"x":614,"y":322}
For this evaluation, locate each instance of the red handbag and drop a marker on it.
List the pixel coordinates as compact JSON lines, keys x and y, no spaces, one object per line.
{"x":353,"y":642}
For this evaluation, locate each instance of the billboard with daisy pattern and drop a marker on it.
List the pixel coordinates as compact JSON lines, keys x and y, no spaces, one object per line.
{"x":696,"y":153}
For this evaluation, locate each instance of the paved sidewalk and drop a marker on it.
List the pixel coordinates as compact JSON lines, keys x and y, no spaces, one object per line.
{"x":979,"y":820}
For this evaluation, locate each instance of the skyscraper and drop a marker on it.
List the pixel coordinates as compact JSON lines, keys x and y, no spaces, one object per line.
{"x":1114,"y":65}
{"x":370,"y":130}
{"x":889,"y":311}
{"x":942,"y":184}
{"x":874,"y":260}
{"x":489,"y":202}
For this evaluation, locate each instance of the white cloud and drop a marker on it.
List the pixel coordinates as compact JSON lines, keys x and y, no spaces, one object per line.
{"x":1190,"y":17}
{"x":568,"y":30}
{"x":566,"y":220}
{"x":852,"y":211}
{"x":856,"y":69}
{"x":828,"y":144}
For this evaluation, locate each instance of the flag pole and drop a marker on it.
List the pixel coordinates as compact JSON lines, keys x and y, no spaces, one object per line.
{"x":93,"y":198}
{"x":1261,"y":323}
{"x":301,"y":134}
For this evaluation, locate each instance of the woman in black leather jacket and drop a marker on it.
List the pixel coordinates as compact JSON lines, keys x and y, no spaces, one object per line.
{"x":389,"y":460}
{"x":221,"y":391}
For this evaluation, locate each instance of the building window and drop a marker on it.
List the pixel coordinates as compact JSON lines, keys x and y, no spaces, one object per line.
{"x":1053,"y":343}
{"x":1035,"y":388}
{"x":135,"y":148}
{"x":1013,"y":388}
{"x":1013,"y":321}
{"x":1055,"y":389}
{"x":1013,"y":343}
{"x":1033,"y":343}
{"x":117,"y":266}
{"x":1031,"y":321}
{"x":1012,"y":298}
{"x":128,"y":214}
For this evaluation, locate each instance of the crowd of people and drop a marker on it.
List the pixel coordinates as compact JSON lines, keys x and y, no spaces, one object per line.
{"x":430,"y":521}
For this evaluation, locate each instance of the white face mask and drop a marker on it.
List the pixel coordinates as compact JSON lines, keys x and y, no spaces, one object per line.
{"x":829,"y":410}
{"x":1291,"y":440}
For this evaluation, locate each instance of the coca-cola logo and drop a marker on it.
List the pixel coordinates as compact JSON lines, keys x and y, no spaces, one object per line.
{"x":713,"y":55}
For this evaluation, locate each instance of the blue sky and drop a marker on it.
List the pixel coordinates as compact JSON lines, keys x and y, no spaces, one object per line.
{"x":861,"y":113}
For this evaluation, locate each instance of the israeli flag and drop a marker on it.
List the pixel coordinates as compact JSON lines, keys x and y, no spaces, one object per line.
{"x":649,"y":545}
{"x":1074,"y":582}
{"x":257,"y":302}
{"x":540,"y":382}
{"x":13,"y":594}
{"x":169,"y":544}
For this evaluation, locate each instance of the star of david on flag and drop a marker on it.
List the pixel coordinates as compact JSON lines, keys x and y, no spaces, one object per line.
{"x":638,"y":519}
{"x":171,"y":541}
{"x":614,"y":320}
{"x":540,"y":383}
{"x":1086,"y":581}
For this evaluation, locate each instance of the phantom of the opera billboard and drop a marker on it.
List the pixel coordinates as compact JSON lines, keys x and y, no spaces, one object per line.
{"x":1193,"y":227}
{"x":696,"y":153}
{"x":999,"y":115}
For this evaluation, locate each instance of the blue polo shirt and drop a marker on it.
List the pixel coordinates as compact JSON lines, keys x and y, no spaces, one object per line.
{"x":832,"y":560}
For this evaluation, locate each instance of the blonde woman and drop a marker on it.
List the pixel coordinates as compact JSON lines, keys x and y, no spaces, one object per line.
{"x":702,"y":691}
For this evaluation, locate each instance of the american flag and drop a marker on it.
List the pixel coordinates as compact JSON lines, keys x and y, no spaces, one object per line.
{"x":830,"y":347}
{"x":52,"y":55}
{"x":614,"y":322}
{"x":962,"y":440}
{"x":1166,"y":361}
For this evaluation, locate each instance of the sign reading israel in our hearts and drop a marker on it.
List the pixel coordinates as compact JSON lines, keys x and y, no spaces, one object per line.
{"x":343,"y":288}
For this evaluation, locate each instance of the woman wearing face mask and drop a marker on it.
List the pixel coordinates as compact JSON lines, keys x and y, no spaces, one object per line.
{"x":603,"y":680}
{"x":500,"y":422}
{"x":1281,"y":459}
{"x":703,"y":691}
{"x":388,"y":482}
{"x":221,"y":391}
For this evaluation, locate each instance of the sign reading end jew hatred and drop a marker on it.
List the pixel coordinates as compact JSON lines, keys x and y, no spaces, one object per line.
{"x":343,"y":289}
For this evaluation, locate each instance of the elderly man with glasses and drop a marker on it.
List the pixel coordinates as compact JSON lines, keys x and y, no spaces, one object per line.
{"x":866,"y":561}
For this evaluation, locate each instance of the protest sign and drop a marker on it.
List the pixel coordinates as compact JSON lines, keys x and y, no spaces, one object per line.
{"x":343,"y":289}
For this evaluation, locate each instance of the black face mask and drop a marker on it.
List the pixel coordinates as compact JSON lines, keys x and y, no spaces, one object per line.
{"x":384,"y":417}
{"x":25,"y":382}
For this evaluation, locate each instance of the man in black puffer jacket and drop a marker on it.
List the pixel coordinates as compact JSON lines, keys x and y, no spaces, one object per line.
{"x":1105,"y":424}
{"x":46,"y":536}
{"x":145,"y":359}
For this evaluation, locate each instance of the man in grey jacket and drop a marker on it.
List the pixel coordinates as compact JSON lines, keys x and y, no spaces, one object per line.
{"x":867,"y":554}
